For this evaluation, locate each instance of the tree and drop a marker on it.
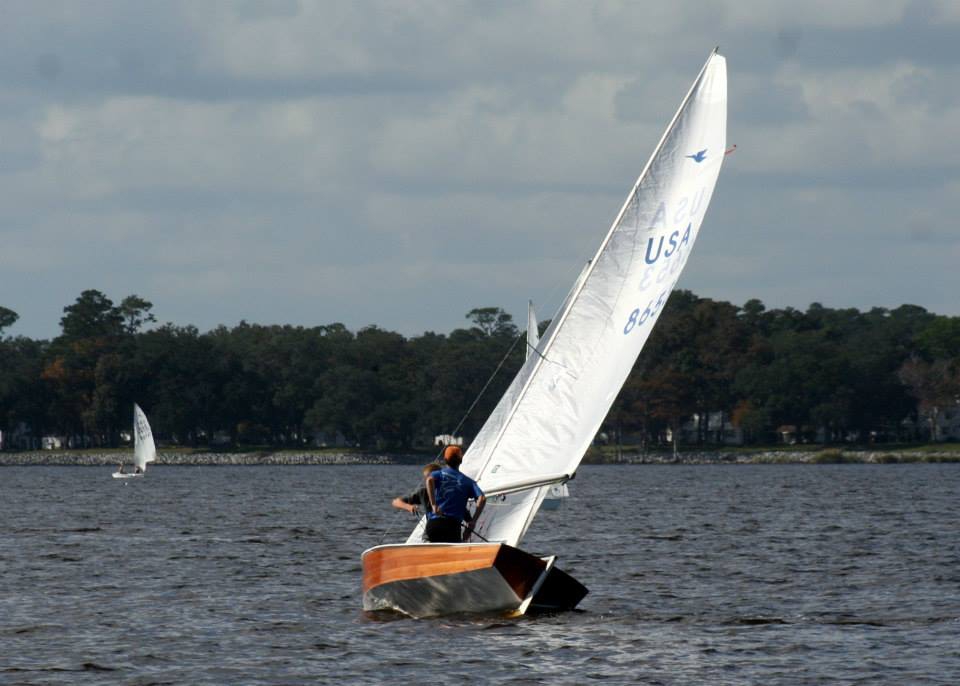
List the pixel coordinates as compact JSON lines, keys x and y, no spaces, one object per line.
{"x":940,"y":339}
{"x":670,"y":394}
{"x":92,"y":315}
{"x":492,"y":321}
{"x":718,"y":340}
{"x":841,"y":370}
{"x":7,"y":318}
{"x":752,"y":421}
{"x":935,"y":385}
{"x":23,"y":397}
{"x":135,"y":312}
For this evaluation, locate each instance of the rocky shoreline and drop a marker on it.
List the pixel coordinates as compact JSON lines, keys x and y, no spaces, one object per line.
{"x":95,"y":459}
{"x":825,"y":456}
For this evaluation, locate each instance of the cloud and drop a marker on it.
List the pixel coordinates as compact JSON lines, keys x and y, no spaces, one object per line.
{"x":400,"y":164}
{"x":770,"y":104}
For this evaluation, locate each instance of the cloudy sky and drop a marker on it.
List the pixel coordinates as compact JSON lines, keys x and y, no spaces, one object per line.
{"x":399,"y":163}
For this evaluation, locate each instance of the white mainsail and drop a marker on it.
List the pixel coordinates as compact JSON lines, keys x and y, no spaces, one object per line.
{"x":533,"y":333}
{"x":144,"y":449}
{"x":549,"y":415}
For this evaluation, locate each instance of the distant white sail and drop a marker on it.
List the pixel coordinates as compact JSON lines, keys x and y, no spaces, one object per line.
{"x":144,"y":449}
{"x":533,"y":333}
{"x":551,"y":412}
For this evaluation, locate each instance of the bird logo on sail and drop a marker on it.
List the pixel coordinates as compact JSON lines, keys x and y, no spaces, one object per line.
{"x":699,"y":156}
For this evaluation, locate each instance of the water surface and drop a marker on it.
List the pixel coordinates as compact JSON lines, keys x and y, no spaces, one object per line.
{"x":762,"y":574}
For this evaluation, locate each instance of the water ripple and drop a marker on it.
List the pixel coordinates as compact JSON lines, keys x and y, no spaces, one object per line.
{"x":831,"y":574}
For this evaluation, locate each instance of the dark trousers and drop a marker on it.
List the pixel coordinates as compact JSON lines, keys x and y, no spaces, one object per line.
{"x":443,"y":530}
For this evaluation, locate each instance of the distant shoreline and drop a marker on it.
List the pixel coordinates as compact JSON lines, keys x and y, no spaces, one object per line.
{"x":94,"y":458}
{"x":67,"y":458}
{"x":813,"y":457}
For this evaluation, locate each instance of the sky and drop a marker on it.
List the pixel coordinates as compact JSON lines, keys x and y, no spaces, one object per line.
{"x":401,"y":163}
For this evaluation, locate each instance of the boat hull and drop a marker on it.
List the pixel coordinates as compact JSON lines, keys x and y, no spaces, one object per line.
{"x":124,"y":475}
{"x":431,"y":579}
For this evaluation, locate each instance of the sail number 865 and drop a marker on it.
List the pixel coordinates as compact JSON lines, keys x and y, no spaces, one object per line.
{"x":638,"y":317}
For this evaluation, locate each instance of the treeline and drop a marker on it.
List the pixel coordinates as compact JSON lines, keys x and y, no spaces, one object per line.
{"x":842,"y":374}
{"x":831,"y":375}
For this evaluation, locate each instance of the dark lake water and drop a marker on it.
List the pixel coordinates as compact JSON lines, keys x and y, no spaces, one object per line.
{"x":828,"y":574}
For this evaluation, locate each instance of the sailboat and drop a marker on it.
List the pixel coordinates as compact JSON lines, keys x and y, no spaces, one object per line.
{"x":539,"y":431}
{"x":533,"y":331}
{"x":144,"y":449}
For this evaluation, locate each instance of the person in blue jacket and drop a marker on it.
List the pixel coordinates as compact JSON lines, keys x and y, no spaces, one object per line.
{"x":449,"y":491}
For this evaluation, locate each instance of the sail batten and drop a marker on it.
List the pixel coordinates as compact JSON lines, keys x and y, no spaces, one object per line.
{"x":528,"y":484}
{"x":550,"y":413}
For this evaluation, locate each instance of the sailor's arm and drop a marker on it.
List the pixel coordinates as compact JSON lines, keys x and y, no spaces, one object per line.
{"x":481,"y":501}
{"x":402,"y":504}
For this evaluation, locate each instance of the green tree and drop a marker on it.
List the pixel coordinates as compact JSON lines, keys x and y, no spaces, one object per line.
{"x":7,"y":318}
{"x":135,"y":312}
{"x":940,"y":339}
{"x":935,"y":385}
{"x":24,"y":399}
{"x":492,"y":321}
{"x":92,"y":315}
{"x":841,"y":370}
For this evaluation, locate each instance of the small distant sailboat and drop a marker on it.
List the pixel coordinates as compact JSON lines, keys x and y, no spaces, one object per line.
{"x":537,"y":435}
{"x":144,"y":449}
{"x":533,"y":333}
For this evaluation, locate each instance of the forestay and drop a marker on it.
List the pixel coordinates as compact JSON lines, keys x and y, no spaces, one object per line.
{"x":550,"y":413}
{"x":144,"y":449}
